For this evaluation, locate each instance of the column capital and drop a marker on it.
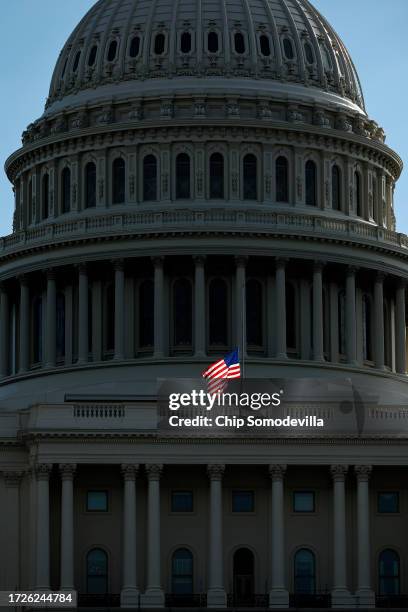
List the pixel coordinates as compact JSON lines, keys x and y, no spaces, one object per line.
{"x":318,"y":265}
{"x":241,"y":261}
{"x":82,"y":267}
{"x":281,"y":262}
{"x":199,"y":260}
{"x":22,"y":279}
{"x":277,"y":471}
{"x":118,"y":264}
{"x":380,"y":276}
{"x":129,"y":471}
{"x":154,"y":470}
{"x":50,"y":274}
{"x":215,"y":471}
{"x":352,"y":270}
{"x":67,"y":470}
{"x":363,"y":472}
{"x":12,"y":478}
{"x":339,"y":472}
{"x":43,"y":470}
{"x":402,"y":284}
{"x":3,"y":288}
{"x":158,"y":261}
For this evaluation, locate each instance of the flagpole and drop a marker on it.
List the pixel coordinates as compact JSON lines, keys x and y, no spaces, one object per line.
{"x":243,"y":328}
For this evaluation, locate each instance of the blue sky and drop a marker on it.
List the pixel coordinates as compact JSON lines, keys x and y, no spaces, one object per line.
{"x":34,"y":31}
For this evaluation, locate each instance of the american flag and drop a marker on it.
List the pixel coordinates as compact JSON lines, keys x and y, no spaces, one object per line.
{"x":218,"y":373}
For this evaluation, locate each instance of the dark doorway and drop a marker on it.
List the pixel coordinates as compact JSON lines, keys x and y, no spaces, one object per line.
{"x":243,"y":577}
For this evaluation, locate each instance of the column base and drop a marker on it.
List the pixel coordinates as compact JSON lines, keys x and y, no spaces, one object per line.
{"x":216,"y":598}
{"x":278,"y":598}
{"x":342,"y":598}
{"x":129,"y":598}
{"x":153,"y":598}
{"x":365,"y":598}
{"x":281,"y":356}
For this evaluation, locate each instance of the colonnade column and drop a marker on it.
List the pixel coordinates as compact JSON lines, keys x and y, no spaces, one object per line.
{"x":154,"y":596}
{"x":83,"y":322}
{"x":341,"y":597}
{"x":51,"y":328}
{"x":216,"y":597}
{"x":365,"y":597}
{"x":24,"y":324}
{"x":158,"y":307}
{"x":351,"y":329}
{"x":12,"y":537}
{"x":119,"y":310}
{"x":43,"y":527}
{"x":129,"y":597}
{"x":280,"y":290}
{"x":199,"y":306}
{"x":4,"y":332}
{"x":400,"y":322}
{"x":240,"y":305}
{"x":318,"y":350}
{"x":379,"y":321}
{"x":67,"y":471}
{"x":278,"y":595}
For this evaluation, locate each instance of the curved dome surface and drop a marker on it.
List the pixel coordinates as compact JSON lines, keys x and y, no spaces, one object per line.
{"x":278,"y":47}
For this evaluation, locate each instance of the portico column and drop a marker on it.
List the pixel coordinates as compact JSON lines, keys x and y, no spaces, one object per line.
{"x":51,"y":327}
{"x":43,"y":527}
{"x":280,"y":284}
{"x":240,"y":304}
{"x":24,"y":324}
{"x":129,"y":597}
{"x":154,"y":596}
{"x":119,"y":310}
{"x":158,"y":307}
{"x":341,"y":597}
{"x":12,"y":534}
{"x":216,"y":597}
{"x":400,"y":322}
{"x":83,"y":314}
{"x":379,"y":321}
{"x":278,"y":595}
{"x":318,"y":312}
{"x":199,"y":306}
{"x":365,"y":597}
{"x":67,"y":471}
{"x":4,"y":332}
{"x":351,"y":339}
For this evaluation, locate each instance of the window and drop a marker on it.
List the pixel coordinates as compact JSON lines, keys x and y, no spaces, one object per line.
{"x":146,"y":314}
{"x":64,"y":68}
{"x":97,"y":571}
{"x":265,"y":45}
{"x":216,"y":176}
{"x":134,"y":47}
{"x":113,"y":47}
{"x":182,"y":501}
{"x":159,"y":44}
{"x":60,"y":327}
{"x":250,"y":177}
{"x":367,"y":336}
{"x":149,"y":178}
{"x":282,"y":179}
{"x":37,"y":329}
{"x":185,"y":42}
{"x":212,"y":42}
{"x":182,"y":176}
{"x":303,"y":501}
{"x":291,"y":317}
{"x":288,"y":48}
{"x":325,"y":56}
{"x":239,"y":42}
{"x":336,"y":188}
{"x":118,"y":181}
{"x":309,"y":53}
{"x":183,"y":306}
{"x":254,"y":313}
{"x":311,"y":186}
{"x":305,"y":571}
{"x":76,"y":61}
{"x":45,"y":196}
{"x":92,"y":56}
{"x":243,"y":501}
{"x":218,"y":307}
{"x":97,"y":501}
{"x":357,"y":193}
{"x":182,"y":572}
{"x":90,"y":185}
{"x":388,"y":502}
{"x":66,"y":190}
{"x":389,"y":573}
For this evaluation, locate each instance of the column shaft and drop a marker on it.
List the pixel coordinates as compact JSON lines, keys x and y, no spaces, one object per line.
{"x":379,"y":321}
{"x":24,"y":325}
{"x":278,"y":596}
{"x":119,"y":311}
{"x":153,"y":597}
{"x":43,"y":528}
{"x":67,"y":526}
{"x":83,"y":315}
{"x":351,"y":339}
{"x":199,"y":307}
{"x":280,"y":284}
{"x":130,"y":593}
{"x":51,"y":327}
{"x":340,"y":594}
{"x":365,"y":596}
{"x":4,"y":332}
{"x":318,"y":313}
{"x":400,"y":322}
{"x":158,"y":307}
{"x":216,"y":597}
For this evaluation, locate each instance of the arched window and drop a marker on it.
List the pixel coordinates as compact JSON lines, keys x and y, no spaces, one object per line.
{"x":182,"y":308}
{"x":97,"y":571}
{"x":212,"y":42}
{"x":45,"y":195}
{"x":185,"y":42}
{"x":282,"y":179}
{"x":305,"y":571}
{"x":66,"y":190}
{"x":288,"y":48}
{"x":309,"y":53}
{"x":265,"y":45}
{"x":218,"y":311}
{"x":217,"y":176}
{"x":60,"y":328}
{"x":341,"y":325}
{"x":250,"y":177}
{"x":37,"y":329}
{"x":90,"y":185}
{"x":254,"y":313}
{"x":92,"y":55}
{"x":367,"y":334}
{"x":311,"y":183}
{"x":149,"y":178}
{"x":113,"y":47}
{"x":389,"y":573}
{"x":336,"y":188}
{"x":182,"y":572}
{"x":76,"y":61}
{"x":357,"y":194}
{"x":118,"y":181}
{"x":134,"y":47}
{"x":325,"y":56}
{"x":291,"y":317}
{"x":159,"y":44}
{"x":243,"y":577}
{"x":109,"y":318}
{"x":146,"y":314}
{"x":64,"y":68}
{"x":239,"y":42}
{"x":182,"y":176}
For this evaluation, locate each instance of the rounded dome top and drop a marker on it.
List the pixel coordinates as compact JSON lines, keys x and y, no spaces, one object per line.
{"x":278,"y":47}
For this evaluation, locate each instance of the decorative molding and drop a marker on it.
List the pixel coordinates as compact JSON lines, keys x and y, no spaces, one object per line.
{"x":363,"y":472}
{"x":339,"y":472}
{"x":154,"y":470}
{"x":277,"y":471}
{"x":67,"y":470}
{"x":215,"y":471}
{"x":129,"y":471}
